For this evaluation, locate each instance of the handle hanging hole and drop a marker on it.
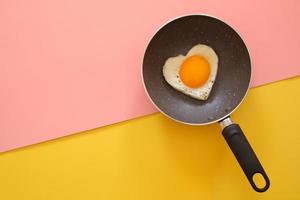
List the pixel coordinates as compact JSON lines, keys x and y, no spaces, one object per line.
{"x":259,"y":180}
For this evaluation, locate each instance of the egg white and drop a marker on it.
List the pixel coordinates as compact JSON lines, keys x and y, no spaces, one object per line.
{"x":172,"y":65}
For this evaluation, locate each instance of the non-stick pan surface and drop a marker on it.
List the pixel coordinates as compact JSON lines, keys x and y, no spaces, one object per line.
{"x":233,"y":77}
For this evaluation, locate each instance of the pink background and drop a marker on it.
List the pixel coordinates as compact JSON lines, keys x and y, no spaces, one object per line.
{"x":67,"y":66}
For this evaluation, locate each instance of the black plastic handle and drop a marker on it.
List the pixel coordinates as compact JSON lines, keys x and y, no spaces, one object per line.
{"x":245,"y":155}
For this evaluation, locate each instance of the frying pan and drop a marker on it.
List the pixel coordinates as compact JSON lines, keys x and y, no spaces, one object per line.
{"x":231,"y":85}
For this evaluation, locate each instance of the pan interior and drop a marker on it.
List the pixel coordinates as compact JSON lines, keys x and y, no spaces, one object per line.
{"x":234,"y":69}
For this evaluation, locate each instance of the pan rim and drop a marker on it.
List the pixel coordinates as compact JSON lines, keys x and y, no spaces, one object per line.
{"x":143,"y":81}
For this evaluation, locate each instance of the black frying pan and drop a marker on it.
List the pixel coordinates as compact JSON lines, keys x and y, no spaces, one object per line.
{"x":231,"y":85}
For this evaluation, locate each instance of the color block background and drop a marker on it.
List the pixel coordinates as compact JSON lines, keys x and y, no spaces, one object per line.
{"x":155,"y":158}
{"x":68,"y":66}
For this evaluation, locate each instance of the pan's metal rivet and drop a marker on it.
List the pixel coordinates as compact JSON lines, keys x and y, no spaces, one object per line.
{"x":210,"y":118}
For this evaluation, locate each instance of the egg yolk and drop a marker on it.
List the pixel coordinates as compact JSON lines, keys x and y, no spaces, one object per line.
{"x":194,"y":71}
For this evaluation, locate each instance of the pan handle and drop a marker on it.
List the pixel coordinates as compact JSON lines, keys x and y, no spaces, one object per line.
{"x":244,"y":154}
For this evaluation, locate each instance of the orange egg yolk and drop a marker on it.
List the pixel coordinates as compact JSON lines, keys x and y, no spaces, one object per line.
{"x":194,"y":71}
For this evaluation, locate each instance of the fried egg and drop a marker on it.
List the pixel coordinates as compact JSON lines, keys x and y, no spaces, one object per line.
{"x":193,"y":74}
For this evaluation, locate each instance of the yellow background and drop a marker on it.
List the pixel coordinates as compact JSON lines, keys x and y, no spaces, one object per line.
{"x":155,"y":158}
